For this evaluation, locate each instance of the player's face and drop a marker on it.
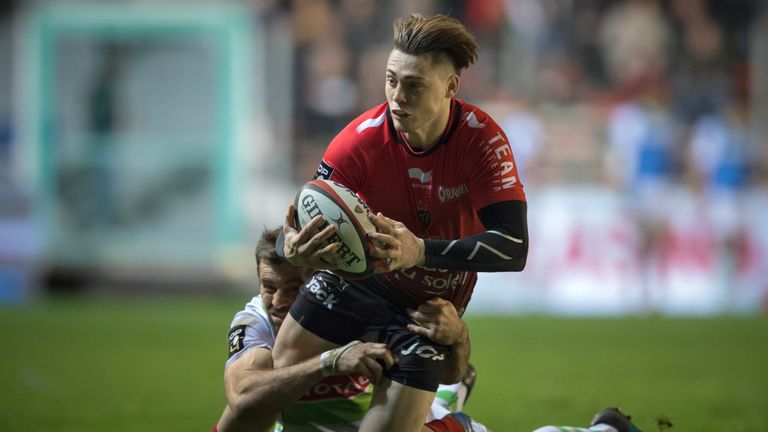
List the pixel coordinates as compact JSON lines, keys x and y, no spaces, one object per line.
{"x":419,"y":91}
{"x":279,"y":285}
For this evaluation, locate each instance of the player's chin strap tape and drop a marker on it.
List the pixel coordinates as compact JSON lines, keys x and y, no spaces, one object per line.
{"x":280,"y":245}
{"x":329,"y":360}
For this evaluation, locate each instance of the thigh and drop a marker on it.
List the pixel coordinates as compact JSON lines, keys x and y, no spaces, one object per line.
{"x":328,"y":312}
{"x":396,"y":407}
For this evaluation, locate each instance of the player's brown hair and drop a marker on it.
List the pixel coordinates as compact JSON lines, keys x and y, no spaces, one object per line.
{"x":417,"y":35}
{"x":265,"y":248}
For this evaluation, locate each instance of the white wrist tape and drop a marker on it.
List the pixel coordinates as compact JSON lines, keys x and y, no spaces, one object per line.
{"x":329,"y":360}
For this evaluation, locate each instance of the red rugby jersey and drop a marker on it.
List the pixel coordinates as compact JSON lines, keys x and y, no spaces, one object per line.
{"x":436,"y":193}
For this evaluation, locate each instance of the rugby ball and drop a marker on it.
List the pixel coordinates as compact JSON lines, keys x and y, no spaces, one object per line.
{"x":342,"y":207}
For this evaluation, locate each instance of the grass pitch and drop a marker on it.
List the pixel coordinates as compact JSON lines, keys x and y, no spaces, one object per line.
{"x":156,"y":365}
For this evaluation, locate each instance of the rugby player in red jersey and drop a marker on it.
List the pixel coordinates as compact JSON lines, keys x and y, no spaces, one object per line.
{"x":441,"y":176}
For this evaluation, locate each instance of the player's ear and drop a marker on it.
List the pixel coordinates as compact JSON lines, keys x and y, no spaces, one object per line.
{"x":453,"y":86}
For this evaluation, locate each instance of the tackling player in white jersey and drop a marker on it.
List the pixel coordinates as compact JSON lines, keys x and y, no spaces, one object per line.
{"x":331,"y":391}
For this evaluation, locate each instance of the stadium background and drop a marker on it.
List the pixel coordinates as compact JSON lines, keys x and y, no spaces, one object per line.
{"x":143,"y":146}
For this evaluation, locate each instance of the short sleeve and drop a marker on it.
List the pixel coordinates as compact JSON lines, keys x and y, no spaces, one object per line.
{"x":341,"y":161}
{"x":347,"y":158}
{"x":248,"y":331}
{"x":495,"y":177}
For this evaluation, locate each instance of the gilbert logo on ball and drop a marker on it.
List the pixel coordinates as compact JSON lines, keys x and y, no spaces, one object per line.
{"x":339,"y":206}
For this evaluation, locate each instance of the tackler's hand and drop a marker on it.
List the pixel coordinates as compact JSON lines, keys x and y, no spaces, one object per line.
{"x":369,"y":359}
{"x":438,"y":320}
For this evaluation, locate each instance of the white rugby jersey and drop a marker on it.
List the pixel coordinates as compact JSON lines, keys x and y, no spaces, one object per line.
{"x":341,"y":410}
{"x":337,"y":403}
{"x":251,"y":328}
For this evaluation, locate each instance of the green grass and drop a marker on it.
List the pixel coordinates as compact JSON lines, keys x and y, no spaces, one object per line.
{"x":156,"y":365}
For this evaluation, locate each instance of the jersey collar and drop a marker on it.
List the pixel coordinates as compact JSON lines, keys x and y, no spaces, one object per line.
{"x":453,"y":124}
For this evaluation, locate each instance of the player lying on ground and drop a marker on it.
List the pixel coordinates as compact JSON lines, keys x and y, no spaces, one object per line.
{"x":256,"y":392}
{"x":442,"y":175}
{"x":607,"y":420}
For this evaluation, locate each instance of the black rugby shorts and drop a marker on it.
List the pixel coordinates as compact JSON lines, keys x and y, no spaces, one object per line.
{"x":341,"y":311}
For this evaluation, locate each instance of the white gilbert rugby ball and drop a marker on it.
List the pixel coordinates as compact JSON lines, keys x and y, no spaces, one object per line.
{"x":339,"y":206}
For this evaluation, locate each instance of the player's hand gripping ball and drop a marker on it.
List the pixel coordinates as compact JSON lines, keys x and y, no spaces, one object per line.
{"x":339,"y":206}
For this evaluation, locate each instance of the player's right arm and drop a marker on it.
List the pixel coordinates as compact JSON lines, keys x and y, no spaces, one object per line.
{"x":256,"y":392}
{"x":303,"y":247}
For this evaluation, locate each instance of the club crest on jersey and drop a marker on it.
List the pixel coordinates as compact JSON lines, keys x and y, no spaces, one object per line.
{"x":236,"y":337}
{"x":425,"y":219}
{"x":324,"y":171}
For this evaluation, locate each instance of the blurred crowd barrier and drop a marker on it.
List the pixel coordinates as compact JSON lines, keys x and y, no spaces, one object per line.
{"x":593,"y":253}
{"x":153,"y":142}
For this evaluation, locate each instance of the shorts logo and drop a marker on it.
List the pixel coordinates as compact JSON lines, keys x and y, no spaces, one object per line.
{"x":324,"y":171}
{"x":236,"y":337}
{"x":424,"y":351}
{"x":409,"y":349}
{"x":321,"y":292}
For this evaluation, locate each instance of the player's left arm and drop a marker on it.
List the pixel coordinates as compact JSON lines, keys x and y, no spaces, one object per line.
{"x":438,"y":320}
{"x":502,"y":247}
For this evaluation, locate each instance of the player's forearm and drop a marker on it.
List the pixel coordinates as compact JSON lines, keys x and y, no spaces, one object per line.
{"x":261,"y":395}
{"x":504,"y":247}
{"x":490,"y":251}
